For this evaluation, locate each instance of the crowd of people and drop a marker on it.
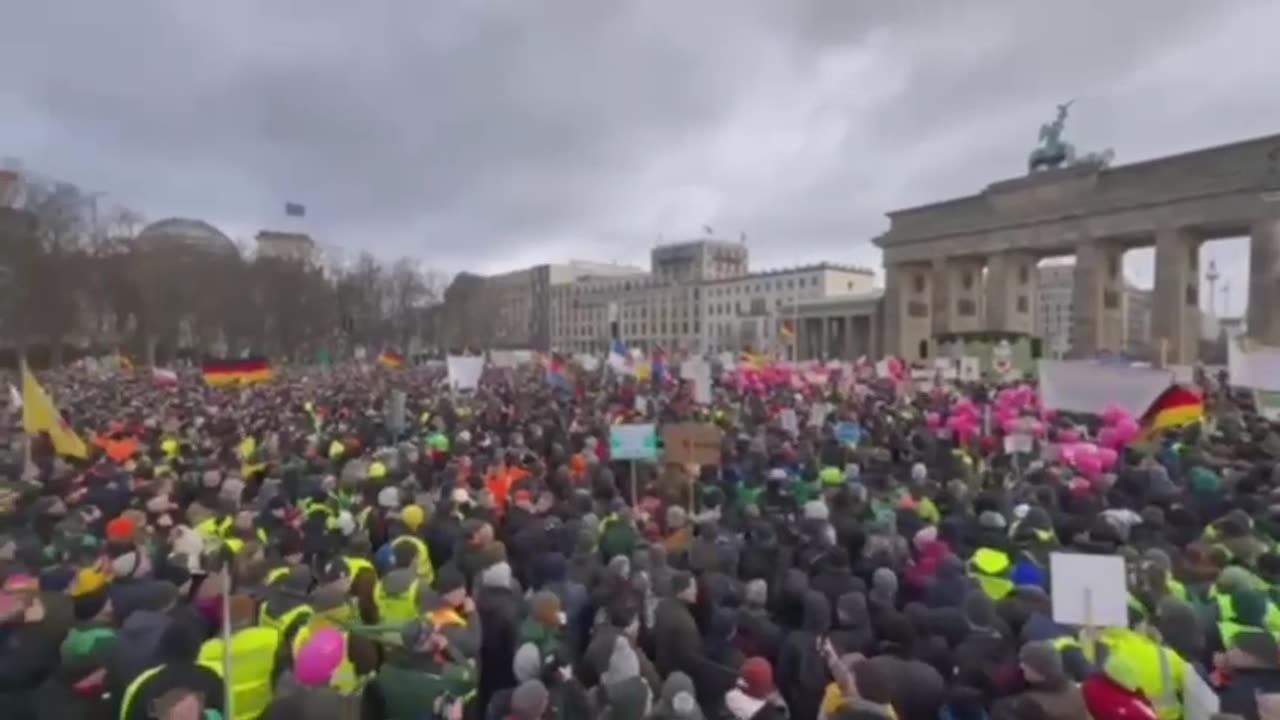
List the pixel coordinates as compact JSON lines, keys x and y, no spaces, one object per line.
{"x":292,"y":549}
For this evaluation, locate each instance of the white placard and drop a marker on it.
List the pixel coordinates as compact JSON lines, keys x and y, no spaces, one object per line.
{"x":1256,"y":367}
{"x":589,"y":363}
{"x":465,"y":372}
{"x":633,"y":442}
{"x":787,"y":418}
{"x":818,"y":414}
{"x":503,"y":359}
{"x":702,"y":383}
{"x":946,"y":369}
{"x":1090,"y":387}
{"x":970,"y":369}
{"x":689,"y":368}
{"x":1018,"y":444}
{"x":1199,"y":701}
{"x":1089,"y":590}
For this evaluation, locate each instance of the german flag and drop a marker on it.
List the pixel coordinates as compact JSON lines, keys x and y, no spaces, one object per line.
{"x":247,"y":371}
{"x":1175,"y":407}
{"x":390,"y":359}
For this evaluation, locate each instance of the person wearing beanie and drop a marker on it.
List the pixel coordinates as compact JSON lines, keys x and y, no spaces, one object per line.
{"x":499,"y":607}
{"x":454,"y":612}
{"x":677,"y":642}
{"x":1251,"y":668}
{"x":79,"y":688}
{"x":545,"y":625}
{"x":428,"y":676}
{"x":755,"y":697}
{"x":1050,"y":693}
{"x":529,"y":701}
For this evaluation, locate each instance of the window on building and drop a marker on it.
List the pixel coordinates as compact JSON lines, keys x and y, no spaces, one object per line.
{"x":1022,"y":303}
{"x":918,"y":281}
{"x":1024,"y":274}
{"x":966,"y":308}
{"x":966,"y":279}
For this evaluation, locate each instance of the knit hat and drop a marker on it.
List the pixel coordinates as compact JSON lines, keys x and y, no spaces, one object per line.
{"x":121,"y":530}
{"x":991,"y":520}
{"x":86,"y":650}
{"x":1260,"y":646}
{"x":756,"y":678}
{"x":1250,"y":607}
{"x":816,"y":510}
{"x":529,"y":700}
{"x":412,"y":516}
{"x":756,"y":593}
{"x":1043,"y":659}
{"x":527,"y":664}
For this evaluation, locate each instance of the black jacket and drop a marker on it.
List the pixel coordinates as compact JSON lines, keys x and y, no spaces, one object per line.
{"x":499,"y":609}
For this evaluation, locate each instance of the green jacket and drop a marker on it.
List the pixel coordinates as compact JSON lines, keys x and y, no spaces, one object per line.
{"x":548,"y":640}
{"x":411,"y":694}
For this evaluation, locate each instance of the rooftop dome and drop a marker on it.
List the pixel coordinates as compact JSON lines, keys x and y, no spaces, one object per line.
{"x":195,"y":234}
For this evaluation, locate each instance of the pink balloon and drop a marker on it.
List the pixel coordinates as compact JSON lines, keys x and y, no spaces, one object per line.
{"x":319,"y":657}
{"x":1068,"y":436}
{"x":1107,"y":458}
{"x":1083,"y":452}
{"x":1090,"y":466}
{"x":1067,"y":454}
{"x":1126,"y":430}
{"x":1107,"y":437}
{"x":1009,"y":425}
{"x":933,"y":420}
{"x":1035,"y":427}
{"x":1048,"y":415}
{"x":1113,"y":414}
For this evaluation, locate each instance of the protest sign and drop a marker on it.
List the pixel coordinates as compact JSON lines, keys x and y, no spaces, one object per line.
{"x":1089,"y":590}
{"x":692,"y":443}
{"x":633,"y":442}
{"x":465,"y":371}
{"x":1090,"y":387}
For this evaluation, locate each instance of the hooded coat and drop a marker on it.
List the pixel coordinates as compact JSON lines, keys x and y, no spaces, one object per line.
{"x":853,"y":632}
{"x":622,"y":693}
{"x":802,"y":673}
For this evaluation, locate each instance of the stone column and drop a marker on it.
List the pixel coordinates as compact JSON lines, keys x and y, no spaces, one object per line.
{"x":1175,"y":312}
{"x":940,"y":306}
{"x":1097,"y":299}
{"x":1011,"y":292}
{"x":1263,"y":317}
{"x":909,"y":289}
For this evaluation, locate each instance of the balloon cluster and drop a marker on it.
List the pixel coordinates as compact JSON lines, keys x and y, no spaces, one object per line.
{"x":1015,"y":410}
{"x":1119,"y":428}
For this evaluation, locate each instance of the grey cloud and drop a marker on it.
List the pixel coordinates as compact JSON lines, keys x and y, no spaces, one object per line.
{"x":471,"y":132}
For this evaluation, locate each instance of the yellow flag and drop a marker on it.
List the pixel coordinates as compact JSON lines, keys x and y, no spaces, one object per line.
{"x":39,"y":415}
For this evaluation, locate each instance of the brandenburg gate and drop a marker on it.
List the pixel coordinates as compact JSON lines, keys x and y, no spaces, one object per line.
{"x":969,"y":264}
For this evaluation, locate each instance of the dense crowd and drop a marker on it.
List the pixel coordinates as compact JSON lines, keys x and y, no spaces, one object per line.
{"x":292,"y":550}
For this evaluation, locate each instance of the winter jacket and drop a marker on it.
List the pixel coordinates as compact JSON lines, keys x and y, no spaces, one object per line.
{"x":802,"y":673}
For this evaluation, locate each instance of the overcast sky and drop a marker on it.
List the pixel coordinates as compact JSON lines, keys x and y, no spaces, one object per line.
{"x":490,"y":134}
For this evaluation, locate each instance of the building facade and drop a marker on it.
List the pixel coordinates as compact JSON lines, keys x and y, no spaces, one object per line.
{"x":756,"y":312}
{"x":290,"y":246}
{"x":1055,"y":314}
